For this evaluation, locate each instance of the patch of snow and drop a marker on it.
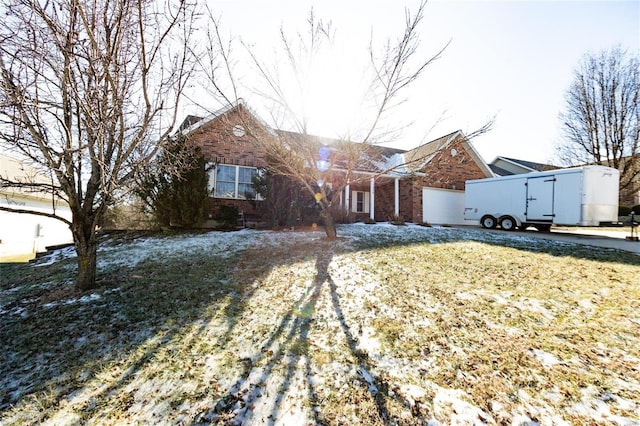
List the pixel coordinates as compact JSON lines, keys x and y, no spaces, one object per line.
{"x":466,"y":295}
{"x":598,"y":407}
{"x":367,"y":342}
{"x":453,"y":404}
{"x":20,"y":311}
{"x":65,"y":416}
{"x":546,"y":359}
{"x":587,"y":305}
{"x":511,"y":331}
{"x":423,"y":323}
{"x":373,"y":389}
{"x":534,"y":305}
{"x":56,"y":256}
{"x":256,"y":371}
{"x":84,"y":299}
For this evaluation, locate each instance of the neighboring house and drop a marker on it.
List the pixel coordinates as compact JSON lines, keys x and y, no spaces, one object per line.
{"x":629,"y":180}
{"x":425,"y":184}
{"x":503,"y":166}
{"x":26,"y":234}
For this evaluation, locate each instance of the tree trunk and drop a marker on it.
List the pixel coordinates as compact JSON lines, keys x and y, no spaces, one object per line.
{"x":86,"y":245}
{"x":329,"y":225}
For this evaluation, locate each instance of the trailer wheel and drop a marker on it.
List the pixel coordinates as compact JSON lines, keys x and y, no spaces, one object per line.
{"x":488,"y":222}
{"x":508,"y":223}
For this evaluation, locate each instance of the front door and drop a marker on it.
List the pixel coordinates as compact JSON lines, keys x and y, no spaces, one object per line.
{"x":540,"y":198}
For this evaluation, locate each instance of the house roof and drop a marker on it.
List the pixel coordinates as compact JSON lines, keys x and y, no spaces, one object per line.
{"x":499,"y":171}
{"x":419,"y":157}
{"x":527,"y":165}
{"x":188,"y":122}
{"x":378,"y":159}
{"x":192,"y":122}
{"x":373,"y":159}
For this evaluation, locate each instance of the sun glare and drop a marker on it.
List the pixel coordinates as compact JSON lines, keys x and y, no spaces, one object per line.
{"x":334,"y":95}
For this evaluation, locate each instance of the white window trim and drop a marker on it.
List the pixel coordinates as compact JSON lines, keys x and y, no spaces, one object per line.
{"x":366,"y":201}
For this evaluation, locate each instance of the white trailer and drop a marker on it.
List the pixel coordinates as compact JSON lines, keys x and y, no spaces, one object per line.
{"x":580,"y":196}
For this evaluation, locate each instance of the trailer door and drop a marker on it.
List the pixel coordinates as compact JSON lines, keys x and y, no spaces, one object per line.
{"x":540,"y":198}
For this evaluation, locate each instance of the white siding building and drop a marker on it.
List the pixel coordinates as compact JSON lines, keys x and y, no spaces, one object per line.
{"x":23,"y":235}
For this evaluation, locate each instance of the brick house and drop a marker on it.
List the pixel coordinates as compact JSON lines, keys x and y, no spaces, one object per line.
{"x":425,"y":184}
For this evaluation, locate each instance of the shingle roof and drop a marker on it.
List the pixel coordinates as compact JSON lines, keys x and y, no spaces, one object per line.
{"x":188,"y":122}
{"x":374,"y":159}
{"x":531,"y":165}
{"x":421,"y":155}
{"x":499,"y":171}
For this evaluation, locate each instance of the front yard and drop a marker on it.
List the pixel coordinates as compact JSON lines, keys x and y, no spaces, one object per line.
{"x":388,"y":325}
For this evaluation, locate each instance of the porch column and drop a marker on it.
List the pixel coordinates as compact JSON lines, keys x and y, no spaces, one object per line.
{"x":396,"y":197}
{"x":372,"y":198}
{"x":346,"y":197}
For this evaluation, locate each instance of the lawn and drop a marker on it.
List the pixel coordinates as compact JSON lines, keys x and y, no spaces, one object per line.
{"x":388,"y":325}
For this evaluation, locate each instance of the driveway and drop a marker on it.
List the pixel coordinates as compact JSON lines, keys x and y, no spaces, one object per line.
{"x":595,"y":237}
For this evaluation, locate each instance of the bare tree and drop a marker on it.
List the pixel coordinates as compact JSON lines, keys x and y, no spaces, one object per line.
{"x":83,"y":86}
{"x":601,"y":121}
{"x":307,"y":159}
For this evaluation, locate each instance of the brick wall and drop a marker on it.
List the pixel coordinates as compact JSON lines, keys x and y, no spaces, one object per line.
{"x":450,"y":171}
{"x":446,"y":171}
{"x":220,"y":145}
{"x":385,"y":199}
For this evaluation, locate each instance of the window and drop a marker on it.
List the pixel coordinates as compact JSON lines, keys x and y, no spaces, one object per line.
{"x":360,"y":202}
{"x":225,"y":183}
{"x":245,"y":182}
{"x":234,"y":182}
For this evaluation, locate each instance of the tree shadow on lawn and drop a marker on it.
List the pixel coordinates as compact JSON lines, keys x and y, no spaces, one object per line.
{"x":61,"y":351}
{"x":50,"y":355}
{"x":58,"y":346}
{"x":290,"y":344}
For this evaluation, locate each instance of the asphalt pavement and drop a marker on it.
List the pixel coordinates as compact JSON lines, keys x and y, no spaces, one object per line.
{"x":595,"y":237}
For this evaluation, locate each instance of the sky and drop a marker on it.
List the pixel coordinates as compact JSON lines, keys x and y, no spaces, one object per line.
{"x":512,"y":60}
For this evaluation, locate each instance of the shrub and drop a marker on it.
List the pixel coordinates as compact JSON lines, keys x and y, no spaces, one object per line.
{"x":226,"y":216}
{"x":636,"y":209}
{"x":173,"y":187}
{"x":284,"y":202}
{"x":341,"y":215}
{"x":369,"y":221}
{"x":624,"y":210}
{"x":396,"y":220}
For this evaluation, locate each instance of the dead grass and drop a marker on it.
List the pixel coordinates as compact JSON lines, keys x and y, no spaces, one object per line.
{"x":302,"y":330}
{"x":491,"y":308}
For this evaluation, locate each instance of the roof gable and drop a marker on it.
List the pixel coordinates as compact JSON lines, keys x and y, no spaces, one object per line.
{"x":193,"y":123}
{"x":418,"y":158}
{"x":371,"y":158}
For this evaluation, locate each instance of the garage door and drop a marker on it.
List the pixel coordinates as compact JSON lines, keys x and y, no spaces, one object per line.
{"x":442,"y":206}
